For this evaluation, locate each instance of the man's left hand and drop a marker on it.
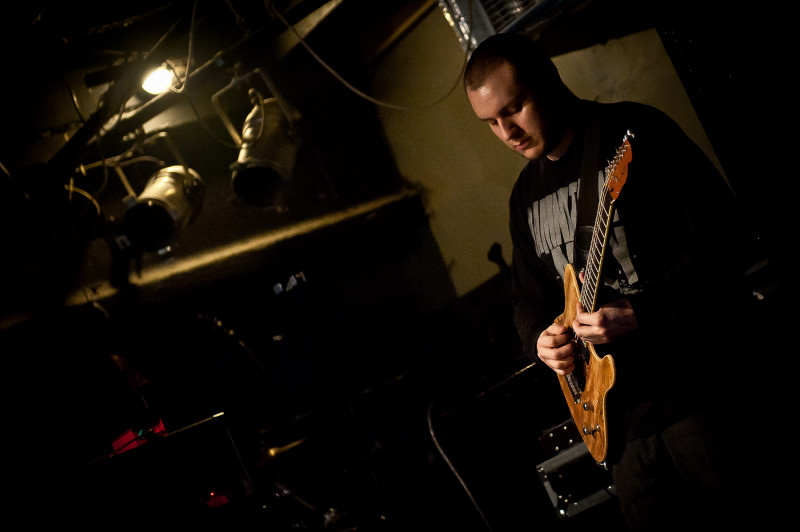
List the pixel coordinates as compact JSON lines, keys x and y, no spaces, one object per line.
{"x":608,"y":323}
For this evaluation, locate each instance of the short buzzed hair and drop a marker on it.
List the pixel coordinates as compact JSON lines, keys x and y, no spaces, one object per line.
{"x":533,"y":68}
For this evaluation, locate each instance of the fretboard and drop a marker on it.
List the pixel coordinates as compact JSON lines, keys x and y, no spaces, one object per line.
{"x":615,"y":176}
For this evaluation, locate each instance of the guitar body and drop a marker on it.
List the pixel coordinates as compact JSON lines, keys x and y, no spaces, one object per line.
{"x":587,"y":401}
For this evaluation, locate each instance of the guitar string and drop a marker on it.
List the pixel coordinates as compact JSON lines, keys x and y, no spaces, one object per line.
{"x":591,"y":275}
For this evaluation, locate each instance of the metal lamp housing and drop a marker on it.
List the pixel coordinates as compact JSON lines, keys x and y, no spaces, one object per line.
{"x":171,"y":199}
{"x":267,"y":155}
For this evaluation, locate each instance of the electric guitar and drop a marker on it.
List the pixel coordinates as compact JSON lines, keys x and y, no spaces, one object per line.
{"x":587,"y":386}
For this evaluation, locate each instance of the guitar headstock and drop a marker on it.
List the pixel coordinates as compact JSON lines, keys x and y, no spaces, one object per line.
{"x":617,"y":171}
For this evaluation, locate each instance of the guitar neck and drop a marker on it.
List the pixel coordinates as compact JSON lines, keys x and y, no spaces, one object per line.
{"x":616,"y":174}
{"x":594,"y":261}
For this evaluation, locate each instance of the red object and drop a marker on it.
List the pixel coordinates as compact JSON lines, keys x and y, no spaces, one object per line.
{"x":131,"y":438}
{"x":216,"y":500}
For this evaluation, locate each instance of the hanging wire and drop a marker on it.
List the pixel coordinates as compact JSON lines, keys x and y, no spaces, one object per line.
{"x":206,"y":127}
{"x":443,"y":454}
{"x":185,"y":92}
{"x":123,"y":98}
{"x":124,"y":23}
{"x":125,"y":92}
{"x":271,"y":7}
{"x":14,"y":181}
{"x":240,"y":20}
{"x":71,"y":188}
{"x":73,"y":98}
{"x":188,"y":53}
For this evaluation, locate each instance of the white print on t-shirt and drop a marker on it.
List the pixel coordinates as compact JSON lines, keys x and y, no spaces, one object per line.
{"x":552,"y":222}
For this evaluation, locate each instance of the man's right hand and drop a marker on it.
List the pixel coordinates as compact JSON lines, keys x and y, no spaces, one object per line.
{"x":556,"y":348}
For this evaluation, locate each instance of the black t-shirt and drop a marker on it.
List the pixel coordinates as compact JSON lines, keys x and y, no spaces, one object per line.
{"x":671,"y":251}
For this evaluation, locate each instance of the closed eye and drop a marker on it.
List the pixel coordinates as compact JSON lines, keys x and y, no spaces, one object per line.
{"x":513,"y":109}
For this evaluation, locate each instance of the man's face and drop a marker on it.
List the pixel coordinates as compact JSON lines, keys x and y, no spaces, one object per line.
{"x":513,"y":114}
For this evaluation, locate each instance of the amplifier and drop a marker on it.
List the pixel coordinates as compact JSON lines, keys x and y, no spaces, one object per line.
{"x":573,"y":480}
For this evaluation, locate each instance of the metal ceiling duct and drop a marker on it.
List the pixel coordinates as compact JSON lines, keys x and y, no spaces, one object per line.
{"x":475,"y":20}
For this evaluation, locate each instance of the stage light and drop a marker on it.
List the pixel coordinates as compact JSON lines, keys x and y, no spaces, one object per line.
{"x":268,"y":145}
{"x":166,"y":77}
{"x":159,"y":80}
{"x":267,"y":155}
{"x":171,"y":200}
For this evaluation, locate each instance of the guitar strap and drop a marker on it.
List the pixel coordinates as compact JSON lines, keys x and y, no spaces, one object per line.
{"x":588,"y":197}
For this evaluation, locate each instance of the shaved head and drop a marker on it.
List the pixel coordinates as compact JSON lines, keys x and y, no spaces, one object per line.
{"x":531,"y":65}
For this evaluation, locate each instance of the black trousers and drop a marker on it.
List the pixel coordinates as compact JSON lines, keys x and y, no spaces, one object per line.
{"x":682,"y":479}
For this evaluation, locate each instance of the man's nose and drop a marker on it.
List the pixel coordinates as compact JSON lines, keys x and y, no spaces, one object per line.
{"x":507,"y":129}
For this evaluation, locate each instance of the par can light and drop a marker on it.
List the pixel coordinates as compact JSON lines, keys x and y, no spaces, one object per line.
{"x":171,"y":200}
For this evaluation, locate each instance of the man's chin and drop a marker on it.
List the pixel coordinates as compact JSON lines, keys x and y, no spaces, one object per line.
{"x":532,"y":154}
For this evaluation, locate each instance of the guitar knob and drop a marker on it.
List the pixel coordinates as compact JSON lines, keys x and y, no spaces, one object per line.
{"x":587,"y":431}
{"x":587,"y":406}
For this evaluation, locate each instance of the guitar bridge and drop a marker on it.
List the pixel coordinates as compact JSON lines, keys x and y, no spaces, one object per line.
{"x":577,"y":379}
{"x":574,"y":387}
{"x":583,"y":351}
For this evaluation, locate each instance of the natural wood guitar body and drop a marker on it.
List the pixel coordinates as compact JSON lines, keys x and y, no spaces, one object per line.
{"x":592,"y":378}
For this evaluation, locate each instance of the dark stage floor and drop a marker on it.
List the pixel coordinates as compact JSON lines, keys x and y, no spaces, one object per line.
{"x":430,"y":447}
{"x":398,"y":459}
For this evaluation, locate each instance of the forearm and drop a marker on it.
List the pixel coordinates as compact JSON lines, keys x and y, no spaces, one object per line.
{"x":536,"y":302}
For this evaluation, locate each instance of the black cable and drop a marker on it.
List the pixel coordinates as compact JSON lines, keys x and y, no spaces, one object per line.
{"x":441,"y":451}
{"x":452,"y":467}
{"x":271,"y":7}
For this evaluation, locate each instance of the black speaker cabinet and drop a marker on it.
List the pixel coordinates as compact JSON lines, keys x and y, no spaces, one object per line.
{"x":573,"y":480}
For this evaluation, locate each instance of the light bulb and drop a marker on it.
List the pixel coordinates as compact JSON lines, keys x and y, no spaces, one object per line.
{"x":158,"y":81}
